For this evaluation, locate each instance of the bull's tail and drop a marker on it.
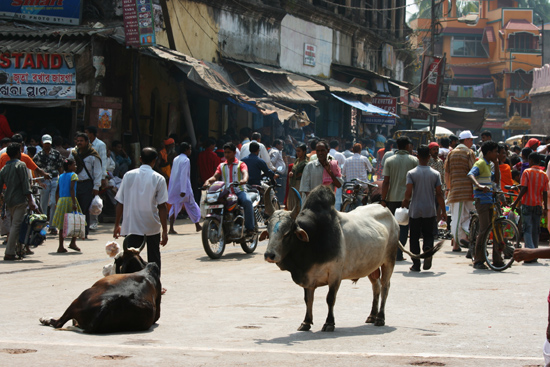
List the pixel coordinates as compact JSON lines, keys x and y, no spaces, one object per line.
{"x":423,"y":255}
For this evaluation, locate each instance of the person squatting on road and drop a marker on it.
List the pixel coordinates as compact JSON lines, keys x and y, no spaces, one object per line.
{"x":423,"y":188}
{"x":180,"y":192}
{"x":142,"y":198}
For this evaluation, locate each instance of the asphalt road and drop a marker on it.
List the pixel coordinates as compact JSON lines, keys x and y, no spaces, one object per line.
{"x":240,"y":310}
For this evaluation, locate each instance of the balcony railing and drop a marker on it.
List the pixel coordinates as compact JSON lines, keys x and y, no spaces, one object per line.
{"x":525,"y":50}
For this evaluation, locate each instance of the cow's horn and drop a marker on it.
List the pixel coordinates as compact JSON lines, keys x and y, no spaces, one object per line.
{"x":298,"y":205}
{"x":143,"y":244}
{"x":269,"y":209}
{"x":124,"y":244}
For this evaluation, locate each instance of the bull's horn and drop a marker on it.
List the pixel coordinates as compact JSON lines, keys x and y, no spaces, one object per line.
{"x":269,"y":209}
{"x":298,"y":205}
{"x":143,"y":244}
{"x":124,"y":244}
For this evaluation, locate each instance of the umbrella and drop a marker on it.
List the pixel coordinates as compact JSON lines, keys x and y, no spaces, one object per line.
{"x":439,"y":131}
{"x":515,"y":138}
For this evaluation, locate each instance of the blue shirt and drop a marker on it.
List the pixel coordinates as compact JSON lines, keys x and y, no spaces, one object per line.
{"x":256,"y":166}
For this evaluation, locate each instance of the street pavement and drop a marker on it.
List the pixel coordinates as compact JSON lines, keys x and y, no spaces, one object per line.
{"x":240,"y":310}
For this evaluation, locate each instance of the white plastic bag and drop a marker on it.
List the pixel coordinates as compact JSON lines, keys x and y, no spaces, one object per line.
{"x":402,"y":216}
{"x":96,"y":206}
{"x":74,"y":225}
{"x":202,"y":205}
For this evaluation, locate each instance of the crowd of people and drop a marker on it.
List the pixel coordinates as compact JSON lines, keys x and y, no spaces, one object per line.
{"x":450,"y":173}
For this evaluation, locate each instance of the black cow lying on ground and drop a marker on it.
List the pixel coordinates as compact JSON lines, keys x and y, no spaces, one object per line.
{"x":118,"y":302}
{"x":320,"y":246}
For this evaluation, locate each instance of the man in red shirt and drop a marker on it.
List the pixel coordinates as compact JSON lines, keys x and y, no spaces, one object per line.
{"x":208,"y":161}
{"x":533,"y":193}
{"x":5,"y":131}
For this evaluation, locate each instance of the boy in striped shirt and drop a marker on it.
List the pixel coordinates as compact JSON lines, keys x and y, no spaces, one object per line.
{"x":533,"y":193}
{"x":483,"y":174}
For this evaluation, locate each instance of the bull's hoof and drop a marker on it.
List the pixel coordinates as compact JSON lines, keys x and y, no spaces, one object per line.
{"x":370,"y":320}
{"x":328,"y":327}
{"x":380,"y":322}
{"x":304,"y":327}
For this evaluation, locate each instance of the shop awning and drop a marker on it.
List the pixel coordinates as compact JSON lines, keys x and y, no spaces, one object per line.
{"x":279,"y":112}
{"x":305,"y":83}
{"x":365,"y":107}
{"x":279,"y":87}
{"x":336,"y":86}
{"x":66,"y":45}
{"x":464,"y":118}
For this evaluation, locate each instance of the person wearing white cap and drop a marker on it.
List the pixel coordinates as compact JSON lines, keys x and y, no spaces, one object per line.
{"x":459,"y":187}
{"x":51,"y":161}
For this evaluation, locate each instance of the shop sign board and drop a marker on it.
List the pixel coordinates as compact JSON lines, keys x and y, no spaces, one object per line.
{"x":310,"y":53}
{"x":139,"y":27}
{"x":378,"y":120}
{"x":37,"y":76}
{"x":44,"y":11}
{"x":386,"y":103}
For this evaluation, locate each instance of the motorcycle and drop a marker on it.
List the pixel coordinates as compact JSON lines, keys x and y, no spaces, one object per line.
{"x":224,"y":221}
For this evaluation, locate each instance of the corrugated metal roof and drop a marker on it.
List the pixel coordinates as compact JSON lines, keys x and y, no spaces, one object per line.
{"x":336,"y":86}
{"x":278,"y":87}
{"x":305,"y":83}
{"x":63,"y":45}
{"x":15,"y":29}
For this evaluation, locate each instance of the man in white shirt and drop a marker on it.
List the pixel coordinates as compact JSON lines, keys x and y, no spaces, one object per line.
{"x":101,"y":149}
{"x":142,"y":198}
{"x":89,"y":171}
{"x":245,"y":150}
{"x":180,"y":192}
{"x":341,"y":159}
{"x":347,"y":153}
{"x":357,"y":166}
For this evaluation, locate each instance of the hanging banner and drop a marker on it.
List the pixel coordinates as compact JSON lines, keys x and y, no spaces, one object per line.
{"x":44,"y":11}
{"x":37,"y":76}
{"x":431,"y":77}
{"x":404,"y":99}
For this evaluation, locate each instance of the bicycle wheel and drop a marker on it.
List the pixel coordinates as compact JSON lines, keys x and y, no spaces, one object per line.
{"x":500,"y":241}
{"x":473,"y":231}
{"x":348,"y":206}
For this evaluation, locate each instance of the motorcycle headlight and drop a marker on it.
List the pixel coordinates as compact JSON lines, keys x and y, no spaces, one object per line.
{"x":212,"y":198}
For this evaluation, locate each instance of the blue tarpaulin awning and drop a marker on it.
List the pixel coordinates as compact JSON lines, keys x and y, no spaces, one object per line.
{"x":371,"y":113}
{"x":366,"y":107}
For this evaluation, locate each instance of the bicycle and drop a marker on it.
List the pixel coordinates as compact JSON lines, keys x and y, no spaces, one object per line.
{"x":501,"y":238}
{"x":354,"y":195}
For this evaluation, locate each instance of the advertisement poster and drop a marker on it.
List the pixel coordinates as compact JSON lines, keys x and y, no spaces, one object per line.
{"x":386,"y":103}
{"x":310,"y":53}
{"x":105,"y":119}
{"x":44,"y":11}
{"x":432,"y":69}
{"x":139,"y":25}
{"x":36,"y":76}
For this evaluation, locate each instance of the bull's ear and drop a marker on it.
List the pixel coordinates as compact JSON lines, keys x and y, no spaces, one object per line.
{"x":301,"y":234}
{"x":264,"y":235}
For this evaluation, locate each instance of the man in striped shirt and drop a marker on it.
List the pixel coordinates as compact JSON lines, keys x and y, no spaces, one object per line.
{"x":233,"y":170}
{"x":483,"y":174}
{"x":533,"y":193}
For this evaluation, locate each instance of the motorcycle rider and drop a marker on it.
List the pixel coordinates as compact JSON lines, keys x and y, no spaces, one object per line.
{"x":256,"y":166}
{"x":231,"y":171}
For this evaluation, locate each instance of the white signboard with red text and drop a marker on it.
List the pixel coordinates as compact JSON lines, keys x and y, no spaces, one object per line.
{"x":37,"y":76}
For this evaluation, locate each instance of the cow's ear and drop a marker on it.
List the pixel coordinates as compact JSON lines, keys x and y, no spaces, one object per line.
{"x":264,"y":235}
{"x":301,"y":234}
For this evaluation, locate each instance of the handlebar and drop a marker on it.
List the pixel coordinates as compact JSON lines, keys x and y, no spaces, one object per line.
{"x":364,"y":182}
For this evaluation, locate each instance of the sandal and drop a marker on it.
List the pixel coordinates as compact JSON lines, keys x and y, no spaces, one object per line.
{"x":61,"y":251}
{"x":74,"y":247}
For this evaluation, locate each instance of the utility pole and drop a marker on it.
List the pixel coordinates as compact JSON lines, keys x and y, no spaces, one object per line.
{"x":433,"y":120}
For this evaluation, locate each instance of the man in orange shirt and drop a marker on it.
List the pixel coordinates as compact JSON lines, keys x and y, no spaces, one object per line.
{"x":4,"y":158}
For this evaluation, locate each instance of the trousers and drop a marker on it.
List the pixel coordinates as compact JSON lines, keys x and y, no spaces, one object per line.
{"x":153,"y":246}
{"x":245,"y":202}
{"x":85,"y":196}
{"x":17,"y":213}
{"x":403,"y":230}
{"x":425,"y":227}
{"x":531,"y":225}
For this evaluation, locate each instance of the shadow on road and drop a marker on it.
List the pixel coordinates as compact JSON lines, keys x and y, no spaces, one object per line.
{"x":229,"y":257}
{"x":422,"y":274}
{"x":303,"y":336}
